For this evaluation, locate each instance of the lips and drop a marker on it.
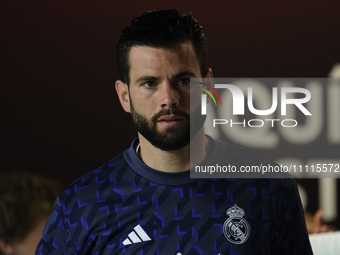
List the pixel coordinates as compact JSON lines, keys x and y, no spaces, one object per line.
{"x":171,"y":120}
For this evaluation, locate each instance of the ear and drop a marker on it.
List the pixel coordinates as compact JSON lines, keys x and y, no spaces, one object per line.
{"x":209,"y":76}
{"x":7,"y":248}
{"x":209,"y":79}
{"x":122,"y":90}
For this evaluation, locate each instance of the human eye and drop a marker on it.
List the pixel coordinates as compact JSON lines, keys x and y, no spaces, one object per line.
{"x":149,"y":84}
{"x":184,"y":82}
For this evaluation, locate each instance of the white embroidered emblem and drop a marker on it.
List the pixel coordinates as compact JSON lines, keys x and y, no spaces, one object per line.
{"x":236,"y":229}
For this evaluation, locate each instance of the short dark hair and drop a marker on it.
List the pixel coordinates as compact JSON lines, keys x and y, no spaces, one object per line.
{"x":25,"y":199}
{"x":160,"y":29}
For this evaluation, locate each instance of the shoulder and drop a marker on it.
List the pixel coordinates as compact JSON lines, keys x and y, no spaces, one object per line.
{"x":243,"y":155}
{"x":229,"y":161}
{"x":232,"y":152}
{"x":89,"y":185}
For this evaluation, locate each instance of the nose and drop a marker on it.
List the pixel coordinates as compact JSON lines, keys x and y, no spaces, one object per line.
{"x":169,"y":96}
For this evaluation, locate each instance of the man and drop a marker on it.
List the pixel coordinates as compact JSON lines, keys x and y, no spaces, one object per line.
{"x":143,"y":201}
{"x":26,"y":201}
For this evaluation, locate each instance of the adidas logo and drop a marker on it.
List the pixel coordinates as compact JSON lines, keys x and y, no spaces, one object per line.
{"x":138,"y":235}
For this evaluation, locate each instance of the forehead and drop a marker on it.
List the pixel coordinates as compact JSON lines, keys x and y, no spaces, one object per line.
{"x":163,"y":61}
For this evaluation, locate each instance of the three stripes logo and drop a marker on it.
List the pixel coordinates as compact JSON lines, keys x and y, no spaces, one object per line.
{"x":204,"y":97}
{"x":138,"y":235}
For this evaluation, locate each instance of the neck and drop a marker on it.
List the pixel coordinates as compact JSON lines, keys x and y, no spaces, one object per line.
{"x":172,"y":161}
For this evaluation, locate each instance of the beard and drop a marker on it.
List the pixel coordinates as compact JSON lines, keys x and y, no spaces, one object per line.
{"x":173,"y":138}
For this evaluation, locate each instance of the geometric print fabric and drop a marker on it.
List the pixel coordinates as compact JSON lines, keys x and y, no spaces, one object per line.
{"x":99,"y":212}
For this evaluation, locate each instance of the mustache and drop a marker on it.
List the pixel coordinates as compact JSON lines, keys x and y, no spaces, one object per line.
{"x":171,"y":111}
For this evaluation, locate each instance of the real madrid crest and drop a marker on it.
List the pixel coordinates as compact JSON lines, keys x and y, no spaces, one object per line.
{"x":236,"y":229}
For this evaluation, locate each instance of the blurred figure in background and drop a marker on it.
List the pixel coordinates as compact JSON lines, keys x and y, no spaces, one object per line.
{"x":315,"y":223}
{"x":26,"y":200}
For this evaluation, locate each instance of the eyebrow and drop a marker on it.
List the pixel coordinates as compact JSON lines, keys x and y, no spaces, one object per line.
{"x":175,"y":77}
{"x":180,"y":75}
{"x":146,"y":78}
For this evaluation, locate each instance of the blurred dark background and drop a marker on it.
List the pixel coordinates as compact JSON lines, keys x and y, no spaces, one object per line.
{"x":60,"y":115}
